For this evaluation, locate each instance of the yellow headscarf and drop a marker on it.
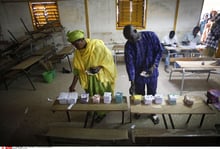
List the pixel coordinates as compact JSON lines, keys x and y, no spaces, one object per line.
{"x":75,"y":35}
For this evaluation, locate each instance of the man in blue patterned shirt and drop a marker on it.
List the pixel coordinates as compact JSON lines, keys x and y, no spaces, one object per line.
{"x":143,"y":52}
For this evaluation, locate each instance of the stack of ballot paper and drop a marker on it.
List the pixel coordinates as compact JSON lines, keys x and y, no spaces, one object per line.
{"x":68,"y":97}
{"x":172,"y":99}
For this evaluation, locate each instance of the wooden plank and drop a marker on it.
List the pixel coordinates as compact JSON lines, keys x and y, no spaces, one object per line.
{"x":197,"y":64}
{"x":44,"y":51}
{"x":66,"y":50}
{"x":157,"y":135}
{"x":27,"y":63}
{"x":87,"y":133}
{"x":199,"y":107}
{"x":173,"y":59}
{"x":146,"y":132}
{"x":193,"y":69}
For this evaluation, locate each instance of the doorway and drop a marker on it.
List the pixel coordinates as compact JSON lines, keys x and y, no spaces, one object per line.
{"x":210,"y":5}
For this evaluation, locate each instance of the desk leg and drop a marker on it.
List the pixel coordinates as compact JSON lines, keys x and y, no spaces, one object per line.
{"x":202,"y":119}
{"x":170,"y":74}
{"x":130,"y":117}
{"x":171,"y":121}
{"x":168,"y":54}
{"x":165,"y":122}
{"x":123,"y":115}
{"x":182,"y":82}
{"x":26,"y":74}
{"x":86,"y":119}
{"x":69,"y":63}
{"x":208,"y":76}
{"x":188,"y":118}
{"x":5,"y":83}
{"x":115,"y":58}
{"x":68,"y":116}
{"x":93,"y":118}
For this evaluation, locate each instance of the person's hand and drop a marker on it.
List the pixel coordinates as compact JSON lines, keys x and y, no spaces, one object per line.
{"x":94,"y":70}
{"x":151,"y":70}
{"x":132,"y":88}
{"x":72,"y":88}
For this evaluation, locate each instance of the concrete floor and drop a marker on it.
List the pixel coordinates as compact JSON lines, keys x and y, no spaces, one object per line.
{"x":25,"y":114}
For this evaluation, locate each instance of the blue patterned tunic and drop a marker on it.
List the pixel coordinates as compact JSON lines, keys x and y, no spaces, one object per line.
{"x":140,"y":56}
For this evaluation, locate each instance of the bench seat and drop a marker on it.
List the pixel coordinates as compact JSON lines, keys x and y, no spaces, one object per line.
{"x":175,"y":136}
{"x":89,"y":134}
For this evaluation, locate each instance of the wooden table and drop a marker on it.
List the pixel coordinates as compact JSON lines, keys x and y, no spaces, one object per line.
{"x":65,"y":52}
{"x":118,"y":50}
{"x":91,"y":107}
{"x":195,"y":67}
{"x":199,"y":107}
{"x":192,"y":52}
{"x":25,"y":65}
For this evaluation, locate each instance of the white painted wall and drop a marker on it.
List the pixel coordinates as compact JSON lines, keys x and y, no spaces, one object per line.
{"x":102,"y":17}
{"x":160,"y":16}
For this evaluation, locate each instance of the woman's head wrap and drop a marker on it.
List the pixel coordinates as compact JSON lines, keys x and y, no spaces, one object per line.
{"x":75,"y":35}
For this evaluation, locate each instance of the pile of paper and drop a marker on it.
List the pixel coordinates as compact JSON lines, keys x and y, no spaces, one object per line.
{"x":68,"y":97}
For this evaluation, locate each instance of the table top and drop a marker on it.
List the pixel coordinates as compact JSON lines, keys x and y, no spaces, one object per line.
{"x":199,"y":107}
{"x":197,"y":64}
{"x":118,"y":47}
{"x":27,"y":63}
{"x":182,"y":47}
{"x":43,"y":51}
{"x":113,"y":106}
{"x":66,"y":50}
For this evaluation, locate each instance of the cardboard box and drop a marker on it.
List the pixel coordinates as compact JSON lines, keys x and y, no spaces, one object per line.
{"x":107,"y":97}
{"x":148,"y":99}
{"x":158,"y":99}
{"x":119,"y":97}
{"x":96,"y":98}
{"x":137,"y":99}
{"x":84,"y":98}
{"x":172,"y":99}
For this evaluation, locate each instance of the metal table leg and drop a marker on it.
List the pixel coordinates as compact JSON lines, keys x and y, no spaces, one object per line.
{"x":71,"y":69}
{"x":202,"y":119}
{"x":26,"y":74}
{"x":171,"y":121}
{"x":123,"y":114}
{"x":165,"y":122}
{"x":188,"y":118}
{"x":208,"y":76}
{"x":93,"y":118}
{"x":170,"y":74}
{"x":86,"y":119}
{"x":68,"y":116}
{"x":182,"y":82}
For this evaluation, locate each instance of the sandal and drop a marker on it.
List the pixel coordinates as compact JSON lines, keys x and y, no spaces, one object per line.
{"x":155,"y":119}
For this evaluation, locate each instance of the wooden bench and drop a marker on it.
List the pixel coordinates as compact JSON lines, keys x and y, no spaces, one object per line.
{"x":63,"y":134}
{"x":175,"y":136}
{"x":193,"y":70}
{"x":63,"y":53}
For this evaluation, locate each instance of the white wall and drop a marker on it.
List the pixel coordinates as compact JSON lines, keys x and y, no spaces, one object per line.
{"x":10,"y":14}
{"x":188,"y":16}
{"x":102,"y":17}
{"x":160,"y":16}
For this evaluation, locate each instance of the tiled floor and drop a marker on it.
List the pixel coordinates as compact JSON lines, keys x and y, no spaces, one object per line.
{"x":25,"y":114}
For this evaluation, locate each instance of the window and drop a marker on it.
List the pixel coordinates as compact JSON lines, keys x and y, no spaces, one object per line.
{"x":131,"y":12}
{"x":44,"y":13}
